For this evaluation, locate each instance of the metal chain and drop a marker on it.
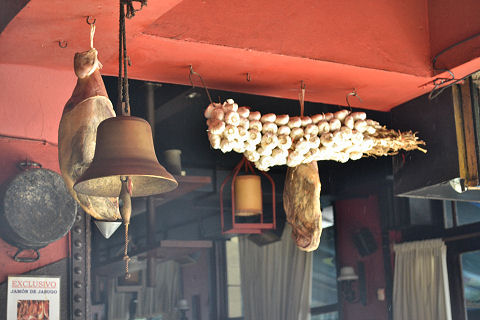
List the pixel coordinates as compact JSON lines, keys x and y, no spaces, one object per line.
{"x":125,"y":256}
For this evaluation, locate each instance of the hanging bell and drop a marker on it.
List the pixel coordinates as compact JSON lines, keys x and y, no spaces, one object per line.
{"x":248,"y":195}
{"x":125,"y":148}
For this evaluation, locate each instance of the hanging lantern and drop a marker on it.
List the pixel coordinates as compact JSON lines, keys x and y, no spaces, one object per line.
{"x":248,"y":195}
{"x":247,"y":201}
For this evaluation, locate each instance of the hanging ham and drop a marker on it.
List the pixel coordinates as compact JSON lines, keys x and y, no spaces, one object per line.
{"x":88,"y":106}
{"x":301,"y":201}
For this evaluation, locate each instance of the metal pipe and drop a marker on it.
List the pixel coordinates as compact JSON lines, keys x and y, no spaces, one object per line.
{"x":150,"y":220}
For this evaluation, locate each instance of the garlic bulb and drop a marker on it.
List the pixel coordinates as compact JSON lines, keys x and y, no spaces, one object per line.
{"x":314,"y":142}
{"x":294,"y":159}
{"x":232,"y":117}
{"x":217,"y":113}
{"x":296,"y":133}
{"x":269,"y":127}
{"x":244,"y":112}
{"x":242,"y":134}
{"x":284,"y":142}
{"x":215,"y":140}
{"x":360,"y":125}
{"x":346,"y":133}
{"x":311,"y":155}
{"x":326,"y":139}
{"x":323,"y":127}
{"x":305,"y":121}
{"x":269,"y":117}
{"x":279,"y":156}
{"x":357,"y":137}
{"x":209,"y":110}
{"x":255,"y":124}
{"x":316,"y":118}
{"x":355,"y":155}
{"x":216,"y":126}
{"x":230,"y":105}
{"x":264,"y":151}
{"x":359,"y":116}
{"x":284,"y":130}
{"x":254,"y":115}
{"x":239,"y":146}
{"x":302,"y":146}
{"x":252,"y":156}
{"x":328,"y":116}
{"x":371,"y":130}
{"x":249,"y":146}
{"x":282,"y":120}
{"x":349,"y":121}
{"x":295,"y":122}
{"x":254,"y":136}
{"x":311,"y":129}
{"x":335,"y":125}
{"x":244,"y":122}
{"x":341,"y":115}
{"x":269,"y":140}
{"x":231,"y":132}
{"x":226,"y":146}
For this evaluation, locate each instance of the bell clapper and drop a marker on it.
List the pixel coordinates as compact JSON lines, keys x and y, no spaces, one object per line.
{"x":126,"y":212}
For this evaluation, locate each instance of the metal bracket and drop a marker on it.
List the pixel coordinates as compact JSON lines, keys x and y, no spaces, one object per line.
{"x":80,"y":236}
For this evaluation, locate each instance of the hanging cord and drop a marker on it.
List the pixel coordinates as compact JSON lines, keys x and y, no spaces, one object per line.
{"x":120,"y":48}
{"x":436,"y":91}
{"x":92,"y":30}
{"x":201,"y":79}
{"x":353,"y":93}
{"x":301,"y":98}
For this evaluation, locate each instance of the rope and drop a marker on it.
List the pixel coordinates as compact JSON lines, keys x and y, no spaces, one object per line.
{"x":92,"y":34}
{"x":120,"y":47}
{"x":301,"y":98}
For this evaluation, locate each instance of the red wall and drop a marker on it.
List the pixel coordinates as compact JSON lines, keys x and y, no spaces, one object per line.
{"x":350,"y":216}
{"x":31,"y":105}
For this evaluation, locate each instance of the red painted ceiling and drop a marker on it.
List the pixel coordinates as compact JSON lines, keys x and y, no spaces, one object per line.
{"x":383,"y":49}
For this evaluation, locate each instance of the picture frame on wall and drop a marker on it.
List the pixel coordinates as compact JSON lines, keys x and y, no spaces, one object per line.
{"x":33,"y":297}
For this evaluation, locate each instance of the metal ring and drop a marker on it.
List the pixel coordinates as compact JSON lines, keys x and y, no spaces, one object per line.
{"x":26,"y":259}
{"x":62,"y":43}
{"x":88,"y":20}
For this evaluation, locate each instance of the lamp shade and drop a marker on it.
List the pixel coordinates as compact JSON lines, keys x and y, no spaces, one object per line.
{"x":124,"y":147}
{"x":347,"y":273}
{"x":248,"y":195}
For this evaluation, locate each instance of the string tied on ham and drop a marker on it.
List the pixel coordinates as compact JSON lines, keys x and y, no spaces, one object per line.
{"x":92,"y":30}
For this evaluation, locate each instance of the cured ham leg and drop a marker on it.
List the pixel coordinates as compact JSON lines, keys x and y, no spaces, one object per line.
{"x":88,"y":106}
{"x":301,"y":201}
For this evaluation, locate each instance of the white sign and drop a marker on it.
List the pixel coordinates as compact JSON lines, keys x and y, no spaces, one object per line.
{"x":33,"y":298}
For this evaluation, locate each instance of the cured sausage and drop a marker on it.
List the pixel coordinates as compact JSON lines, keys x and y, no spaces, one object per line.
{"x":88,"y":106}
{"x":301,"y":201}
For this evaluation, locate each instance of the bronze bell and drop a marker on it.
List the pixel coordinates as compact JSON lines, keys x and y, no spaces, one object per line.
{"x":125,"y":148}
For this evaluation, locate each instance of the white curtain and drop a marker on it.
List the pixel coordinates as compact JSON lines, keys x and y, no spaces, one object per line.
{"x":161,"y":299}
{"x":276,"y":280}
{"x":151,"y":302}
{"x":420,"y":287}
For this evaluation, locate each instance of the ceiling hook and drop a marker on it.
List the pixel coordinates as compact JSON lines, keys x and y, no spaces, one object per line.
{"x":354,"y":94}
{"x":62,"y":43}
{"x":249,"y":78}
{"x":91,"y":22}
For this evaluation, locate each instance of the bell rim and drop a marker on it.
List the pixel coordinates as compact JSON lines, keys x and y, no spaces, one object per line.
{"x":173,"y":184}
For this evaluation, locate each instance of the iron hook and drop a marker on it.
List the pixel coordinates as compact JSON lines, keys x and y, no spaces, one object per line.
{"x":62,"y":43}
{"x":91,"y":22}
{"x":354,"y":94}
